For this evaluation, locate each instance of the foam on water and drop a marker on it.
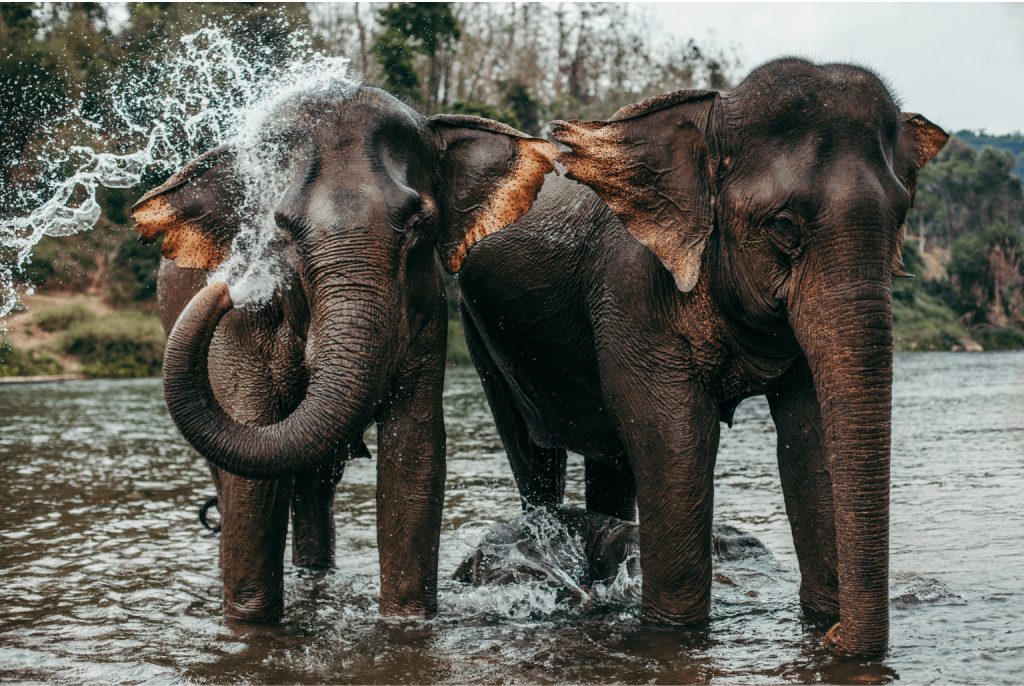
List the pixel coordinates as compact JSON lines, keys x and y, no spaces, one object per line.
{"x":210,"y":91}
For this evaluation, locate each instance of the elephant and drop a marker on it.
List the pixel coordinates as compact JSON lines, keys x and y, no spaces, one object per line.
{"x":277,"y":395}
{"x":572,"y":548}
{"x":734,"y":243}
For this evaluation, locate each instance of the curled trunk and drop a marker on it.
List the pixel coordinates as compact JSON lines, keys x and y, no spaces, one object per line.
{"x":336,"y":409}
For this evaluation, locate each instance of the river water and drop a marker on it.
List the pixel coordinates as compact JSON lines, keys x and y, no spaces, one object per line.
{"x":106,"y":576}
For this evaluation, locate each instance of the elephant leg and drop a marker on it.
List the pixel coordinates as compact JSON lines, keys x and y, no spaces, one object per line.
{"x":313,"y":517}
{"x":610,"y":490}
{"x":410,"y":491}
{"x":539,"y":472}
{"x":254,"y":524}
{"x":670,"y":430}
{"x":807,"y":488}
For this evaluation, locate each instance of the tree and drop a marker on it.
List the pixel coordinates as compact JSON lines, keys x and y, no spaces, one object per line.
{"x":962,"y":192}
{"x":987,"y":270}
{"x":410,"y":29}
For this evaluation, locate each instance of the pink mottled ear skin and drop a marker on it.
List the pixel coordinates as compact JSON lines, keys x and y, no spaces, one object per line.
{"x":194,"y":211}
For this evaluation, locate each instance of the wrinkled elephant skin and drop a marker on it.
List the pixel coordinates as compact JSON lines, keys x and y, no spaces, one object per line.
{"x":745,"y":246}
{"x":277,"y":396}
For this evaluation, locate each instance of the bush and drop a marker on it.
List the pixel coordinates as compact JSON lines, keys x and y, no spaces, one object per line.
{"x":131,"y":276}
{"x":922,"y":320}
{"x":17,"y":362}
{"x":1008,"y":338}
{"x":124,"y":346}
{"x":62,"y":318}
{"x":13,"y":361}
{"x":987,"y":270}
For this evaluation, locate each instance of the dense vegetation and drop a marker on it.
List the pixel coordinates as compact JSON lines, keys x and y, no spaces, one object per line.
{"x":521,"y":63}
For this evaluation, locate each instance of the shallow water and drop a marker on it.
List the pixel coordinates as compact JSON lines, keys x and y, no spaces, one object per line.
{"x":105,"y":574}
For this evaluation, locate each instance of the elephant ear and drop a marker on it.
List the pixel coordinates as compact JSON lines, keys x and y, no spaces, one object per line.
{"x":652,"y":164}
{"x":490,"y":176}
{"x":920,"y":141}
{"x":194,"y":210}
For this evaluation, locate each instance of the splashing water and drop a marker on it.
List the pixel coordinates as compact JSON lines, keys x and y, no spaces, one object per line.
{"x":210,"y":91}
{"x":543,"y":568}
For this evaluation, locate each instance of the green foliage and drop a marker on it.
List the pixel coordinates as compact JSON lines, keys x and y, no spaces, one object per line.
{"x":67,"y":263}
{"x":922,"y":320}
{"x":132,"y":275}
{"x":518,"y":109}
{"x":17,"y":362}
{"x":123,"y":346}
{"x":62,"y":318}
{"x":395,"y":57}
{"x":523,"y":107}
{"x":962,"y":191}
{"x":921,"y":313}
{"x":1012,"y":143}
{"x":1005,"y":338}
{"x":479,"y":109}
{"x":987,"y":270}
{"x":411,"y":29}
{"x":458,"y":353}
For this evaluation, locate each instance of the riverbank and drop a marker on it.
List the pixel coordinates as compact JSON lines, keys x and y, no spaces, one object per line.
{"x":61,"y":337}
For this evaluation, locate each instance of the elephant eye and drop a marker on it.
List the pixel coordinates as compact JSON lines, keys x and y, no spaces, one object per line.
{"x":422,"y":217}
{"x":413,"y":222}
{"x":784,"y":233}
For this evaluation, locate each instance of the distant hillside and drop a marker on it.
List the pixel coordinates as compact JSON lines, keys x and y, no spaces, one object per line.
{"x":1012,"y":143}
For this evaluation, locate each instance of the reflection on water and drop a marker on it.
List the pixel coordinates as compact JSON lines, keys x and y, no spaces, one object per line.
{"x":105,"y":574}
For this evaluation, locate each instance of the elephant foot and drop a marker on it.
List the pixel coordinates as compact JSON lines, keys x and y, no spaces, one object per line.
{"x":820,"y":608}
{"x":317,"y":559}
{"x":254,"y":604}
{"x":697,"y":617}
{"x":835,"y":644}
{"x":254,"y":614}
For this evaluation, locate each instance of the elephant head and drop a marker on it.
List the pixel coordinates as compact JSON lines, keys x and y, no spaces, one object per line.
{"x":372,"y":192}
{"x":785,"y":198}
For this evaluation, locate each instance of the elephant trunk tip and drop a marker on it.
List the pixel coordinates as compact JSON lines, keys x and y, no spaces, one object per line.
{"x":220,"y":291}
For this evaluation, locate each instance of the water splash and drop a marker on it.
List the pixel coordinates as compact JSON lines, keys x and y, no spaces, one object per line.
{"x":210,"y":91}
{"x":536,"y":565}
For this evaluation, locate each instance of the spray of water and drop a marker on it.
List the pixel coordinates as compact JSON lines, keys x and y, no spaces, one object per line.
{"x":209,"y":91}
{"x":542,"y":570}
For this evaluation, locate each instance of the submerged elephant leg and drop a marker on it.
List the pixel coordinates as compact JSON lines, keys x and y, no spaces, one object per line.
{"x":807,"y":488}
{"x":410,"y":489}
{"x":313,"y":517}
{"x":539,"y":472}
{"x":670,"y":430}
{"x":610,"y":490}
{"x":254,"y":523}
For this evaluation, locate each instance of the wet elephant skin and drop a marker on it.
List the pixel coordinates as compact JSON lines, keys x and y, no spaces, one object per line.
{"x":734,"y":244}
{"x":276,"y":396}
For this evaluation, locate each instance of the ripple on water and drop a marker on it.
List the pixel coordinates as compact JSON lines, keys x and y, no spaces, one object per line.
{"x":105,"y":574}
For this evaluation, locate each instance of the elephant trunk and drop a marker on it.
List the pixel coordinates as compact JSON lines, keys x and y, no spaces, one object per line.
{"x":846,"y":334}
{"x":344,"y":383}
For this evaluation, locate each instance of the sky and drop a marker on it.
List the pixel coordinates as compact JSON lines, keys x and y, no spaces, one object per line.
{"x":959,"y":64}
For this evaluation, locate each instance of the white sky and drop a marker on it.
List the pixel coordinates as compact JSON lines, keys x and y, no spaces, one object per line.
{"x":959,"y":64}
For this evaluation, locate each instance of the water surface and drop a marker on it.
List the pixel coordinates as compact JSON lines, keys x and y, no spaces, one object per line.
{"x":105,"y":574}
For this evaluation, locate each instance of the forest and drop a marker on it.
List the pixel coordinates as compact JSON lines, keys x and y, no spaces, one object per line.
{"x":524,"y":64}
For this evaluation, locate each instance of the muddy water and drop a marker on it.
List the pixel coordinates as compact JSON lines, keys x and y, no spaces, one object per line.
{"x":105,"y":574}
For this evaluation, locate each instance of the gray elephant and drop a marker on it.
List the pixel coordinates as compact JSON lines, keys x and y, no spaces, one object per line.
{"x":739,"y":243}
{"x":277,"y":396}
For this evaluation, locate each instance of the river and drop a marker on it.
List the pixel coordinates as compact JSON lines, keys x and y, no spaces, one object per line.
{"x":106,"y":576}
